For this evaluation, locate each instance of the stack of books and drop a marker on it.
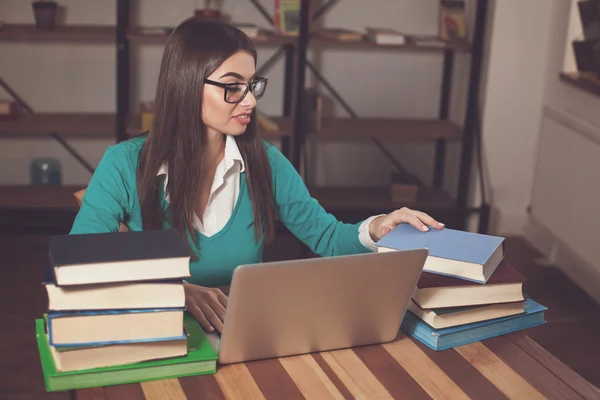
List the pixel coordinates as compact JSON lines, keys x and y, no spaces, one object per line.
{"x":467,"y":291}
{"x":116,"y":311}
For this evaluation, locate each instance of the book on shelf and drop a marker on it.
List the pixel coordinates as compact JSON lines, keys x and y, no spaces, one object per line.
{"x":118,"y":257}
{"x":63,"y":370}
{"x":384,"y":36}
{"x":442,"y":291}
{"x":453,"y":20}
{"x":440,"y":339}
{"x":461,"y":254}
{"x":287,"y":17}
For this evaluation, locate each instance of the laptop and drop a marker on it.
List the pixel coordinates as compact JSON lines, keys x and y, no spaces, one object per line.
{"x":285,"y":308}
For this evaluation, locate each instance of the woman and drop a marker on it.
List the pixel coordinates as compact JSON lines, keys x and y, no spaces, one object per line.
{"x":203,"y":170}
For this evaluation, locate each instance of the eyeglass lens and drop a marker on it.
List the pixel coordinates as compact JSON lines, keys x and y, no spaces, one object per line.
{"x":236,"y":92}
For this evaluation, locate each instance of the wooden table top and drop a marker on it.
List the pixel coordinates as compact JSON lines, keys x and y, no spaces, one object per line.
{"x":509,"y":366}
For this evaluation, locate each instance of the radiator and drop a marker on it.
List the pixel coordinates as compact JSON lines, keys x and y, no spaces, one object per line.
{"x":565,"y":197}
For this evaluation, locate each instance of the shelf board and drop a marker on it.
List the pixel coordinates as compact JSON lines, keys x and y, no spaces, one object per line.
{"x":378,"y":199}
{"x":284,"y":123}
{"x":65,"y":124}
{"x":148,"y":35}
{"x":64,"y":34}
{"x":38,"y":197}
{"x":319,"y":41}
{"x":90,"y":125}
{"x":340,"y":129}
{"x":586,"y":81}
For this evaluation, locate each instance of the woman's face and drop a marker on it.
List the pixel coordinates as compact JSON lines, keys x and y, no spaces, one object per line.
{"x":220,"y":116}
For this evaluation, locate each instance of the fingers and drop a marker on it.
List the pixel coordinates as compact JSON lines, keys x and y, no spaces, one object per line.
{"x":212,"y":317}
{"x":416,"y":222}
{"x":418,"y":219}
{"x":221,"y":297}
{"x":428,"y":220}
{"x":199,"y":315}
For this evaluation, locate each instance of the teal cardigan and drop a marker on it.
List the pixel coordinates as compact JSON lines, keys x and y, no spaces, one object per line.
{"x":111,"y":198}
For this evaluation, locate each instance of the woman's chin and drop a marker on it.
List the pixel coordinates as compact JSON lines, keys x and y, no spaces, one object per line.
{"x":236,"y":132}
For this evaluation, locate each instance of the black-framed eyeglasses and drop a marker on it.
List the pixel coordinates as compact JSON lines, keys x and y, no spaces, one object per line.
{"x":236,"y":92}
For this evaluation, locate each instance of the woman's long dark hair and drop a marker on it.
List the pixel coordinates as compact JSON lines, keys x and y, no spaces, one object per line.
{"x":177,"y":135}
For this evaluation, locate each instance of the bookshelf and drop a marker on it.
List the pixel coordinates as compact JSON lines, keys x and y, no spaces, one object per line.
{"x":355,"y":203}
{"x":352,"y":203}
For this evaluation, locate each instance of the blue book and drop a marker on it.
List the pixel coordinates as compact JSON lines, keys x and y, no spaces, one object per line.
{"x":459,"y":254}
{"x":446,"y":338}
{"x":103,"y":327}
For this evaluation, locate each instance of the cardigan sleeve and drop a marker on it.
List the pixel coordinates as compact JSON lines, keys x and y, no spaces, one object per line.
{"x":305,"y":217}
{"x":105,"y":201}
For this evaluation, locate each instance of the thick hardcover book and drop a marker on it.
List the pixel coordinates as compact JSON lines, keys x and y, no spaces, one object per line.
{"x":100,"y":327}
{"x":201,"y":359}
{"x":114,"y":295}
{"x":118,"y":257}
{"x":461,"y":254}
{"x":446,"y":338}
{"x":440,"y":291}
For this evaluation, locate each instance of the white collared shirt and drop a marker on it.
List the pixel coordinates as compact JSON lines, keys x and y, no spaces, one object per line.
{"x":225,"y":190}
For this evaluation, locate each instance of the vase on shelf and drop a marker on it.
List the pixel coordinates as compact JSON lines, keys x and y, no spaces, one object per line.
{"x":211,"y":10}
{"x":46,"y":172}
{"x":45,"y":13}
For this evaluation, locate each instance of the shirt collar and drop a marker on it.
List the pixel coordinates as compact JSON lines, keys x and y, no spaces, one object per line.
{"x":232,"y":154}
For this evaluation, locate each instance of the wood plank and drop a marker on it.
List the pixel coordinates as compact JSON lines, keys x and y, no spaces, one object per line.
{"x":159,"y":35}
{"x":528,"y":368}
{"x":237,"y":383}
{"x":352,"y":129}
{"x":316,"y":41}
{"x":163,"y":389}
{"x":584,"y":388}
{"x":355,"y":375}
{"x":203,"y":387}
{"x":97,"y":125}
{"x":378,"y":198}
{"x":312,"y":381}
{"x":129,"y":391}
{"x":273,"y":381}
{"x":38,"y":197}
{"x":95,"y":393}
{"x":103,"y":34}
{"x":463,"y":373}
{"x":422,"y":368}
{"x":498,"y":372}
{"x":390,"y":373}
{"x":330,"y":373}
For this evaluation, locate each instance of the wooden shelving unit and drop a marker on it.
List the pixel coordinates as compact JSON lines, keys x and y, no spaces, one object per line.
{"x":38,"y":197}
{"x":124,"y":124}
{"x":316,"y":41}
{"x":377,"y":199}
{"x":91,"y":125}
{"x":336,"y":129}
{"x":93,"y":34}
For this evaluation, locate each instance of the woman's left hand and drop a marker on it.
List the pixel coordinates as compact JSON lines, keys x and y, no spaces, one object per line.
{"x":381,"y":225}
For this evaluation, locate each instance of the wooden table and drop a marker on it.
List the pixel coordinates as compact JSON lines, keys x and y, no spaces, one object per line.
{"x":510,"y":366}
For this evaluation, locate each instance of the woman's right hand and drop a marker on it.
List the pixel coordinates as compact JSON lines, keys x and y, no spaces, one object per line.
{"x":207,"y":305}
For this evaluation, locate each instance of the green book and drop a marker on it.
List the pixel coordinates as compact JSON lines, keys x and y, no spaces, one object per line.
{"x":201,"y":359}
